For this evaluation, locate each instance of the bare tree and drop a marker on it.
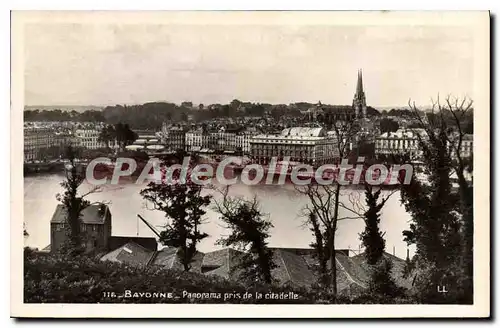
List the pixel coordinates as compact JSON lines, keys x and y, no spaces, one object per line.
{"x":322,"y":211}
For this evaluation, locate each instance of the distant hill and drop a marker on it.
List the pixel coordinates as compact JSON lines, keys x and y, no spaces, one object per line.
{"x":77,"y":108}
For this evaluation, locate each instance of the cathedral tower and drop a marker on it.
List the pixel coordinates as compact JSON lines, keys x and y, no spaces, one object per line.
{"x":359,"y":101}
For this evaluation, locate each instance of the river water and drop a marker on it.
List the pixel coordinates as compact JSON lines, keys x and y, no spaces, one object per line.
{"x":282,"y":203}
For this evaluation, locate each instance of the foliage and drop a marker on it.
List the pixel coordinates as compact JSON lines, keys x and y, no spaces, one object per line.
{"x":372,"y":238}
{"x":183,"y":205}
{"x":73,"y":203}
{"x":249,"y":231}
{"x":381,"y":281}
{"x":61,"y":115}
{"x":388,"y":125}
{"x":124,"y":135}
{"x":52,"y":278}
{"x":442,"y":216}
{"x":321,"y":253}
{"x":151,"y":115}
{"x":322,"y":209}
{"x":107,"y":135}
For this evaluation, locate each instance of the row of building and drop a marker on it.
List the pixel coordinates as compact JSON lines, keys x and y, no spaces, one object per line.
{"x":40,"y":137}
{"x":406,"y":142}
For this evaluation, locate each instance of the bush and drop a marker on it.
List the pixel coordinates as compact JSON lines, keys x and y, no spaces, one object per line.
{"x":382,"y":283}
{"x":53,"y":278}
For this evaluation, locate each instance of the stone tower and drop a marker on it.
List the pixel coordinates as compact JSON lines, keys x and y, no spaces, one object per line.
{"x":359,"y":101}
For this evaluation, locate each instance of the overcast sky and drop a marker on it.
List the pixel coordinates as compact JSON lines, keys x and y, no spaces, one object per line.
{"x":103,"y":64}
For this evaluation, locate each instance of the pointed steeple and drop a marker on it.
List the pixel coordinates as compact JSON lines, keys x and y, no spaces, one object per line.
{"x":359,"y":86}
{"x":359,"y":101}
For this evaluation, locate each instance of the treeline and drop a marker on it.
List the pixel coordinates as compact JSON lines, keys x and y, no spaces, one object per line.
{"x":151,"y":115}
{"x":63,"y":115}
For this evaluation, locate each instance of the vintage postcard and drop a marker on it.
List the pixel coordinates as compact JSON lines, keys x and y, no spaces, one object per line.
{"x":250,"y":164}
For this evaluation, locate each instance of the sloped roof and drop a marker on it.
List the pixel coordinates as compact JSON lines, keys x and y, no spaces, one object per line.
{"x":291,"y":268}
{"x":222,"y":262}
{"x":349,"y":274}
{"x":130,"y":253}
{"x":303,"y":132}
{"x":149,"y":243}
{"x":404,"y":133}
{"x":398,"y":265}
{"x":167,"y":258}
{"x":90,"y":215}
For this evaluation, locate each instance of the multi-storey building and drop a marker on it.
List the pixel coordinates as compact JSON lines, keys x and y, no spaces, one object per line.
{"x":220,"y":140}
{"x":405,"y":141}
{"x":466,"y":147}
{"x":306,"y":145}
{"x":44,"y":142}
{"x":176,"y":138}
{"x":194,"y":140}
{"x":95,"y":228}
{"x":242,"y":141}
{"x":36,"y":139}
{"x":88,"y":138}
{"x":401,"y":142}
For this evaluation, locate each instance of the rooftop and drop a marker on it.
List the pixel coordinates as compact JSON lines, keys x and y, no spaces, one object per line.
{"x":130,"y":253}
{"x":403,"y":133}
{"x":93,"y":214}
{"x":303,"y":132}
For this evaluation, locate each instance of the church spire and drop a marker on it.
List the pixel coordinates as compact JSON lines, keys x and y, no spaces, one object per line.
{"x":359,"y":86}
{"x":359,"y":101}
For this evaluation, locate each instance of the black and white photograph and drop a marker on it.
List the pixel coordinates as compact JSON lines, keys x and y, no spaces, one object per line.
{"x":250,"y":158}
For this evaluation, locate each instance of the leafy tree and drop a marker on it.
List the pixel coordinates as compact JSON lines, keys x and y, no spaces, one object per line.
{"x":183,"y":205}
{"x":381,"y":281}
{"x":372,"y":238}
{"x":388,"y":125}
{"x":107,"y":135}
{"x":321,"y":253}
{"x":442,"y":222}
{"x":124,"y":135}
{"x":249,"y":231}
{"x":73,"y":203}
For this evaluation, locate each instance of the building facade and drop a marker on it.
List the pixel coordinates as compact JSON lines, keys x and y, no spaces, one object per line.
{"x":35,"y":140}
{"x":42,"y":143}
{"x":95,"y":228}
{"x":174,"y":137}
{"x":88,"y":138}
{"x":466,"y":147}
{"x":401,"y":142}
{"x":311,"y":146}
{"x":406,"y":142}
{"x":221,"y":140}
{"x":194,"y":140}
